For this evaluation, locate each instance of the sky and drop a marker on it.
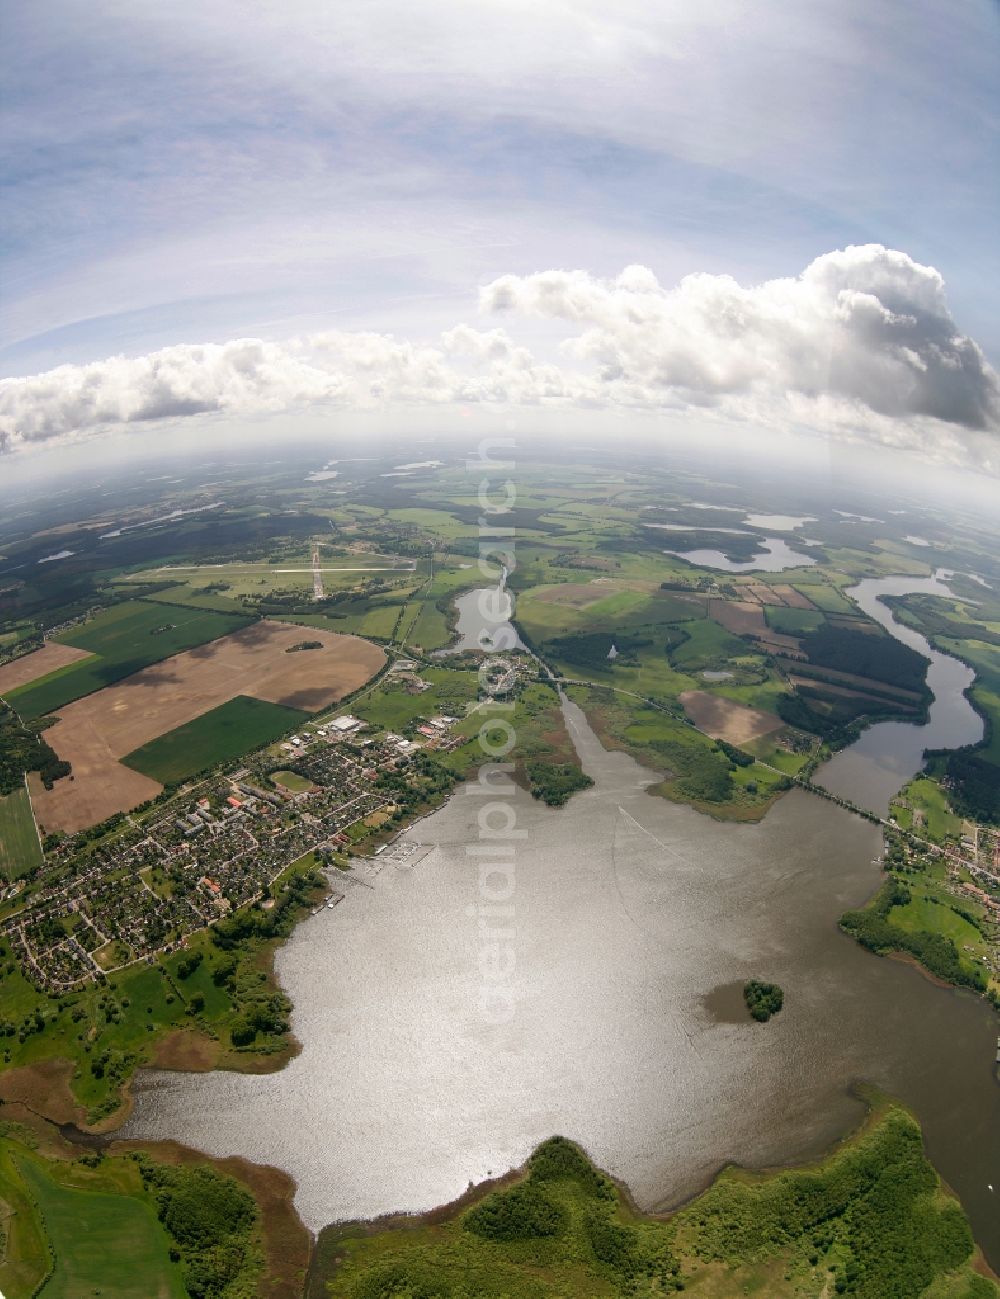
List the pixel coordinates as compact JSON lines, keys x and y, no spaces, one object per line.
{"x":770,"y":215}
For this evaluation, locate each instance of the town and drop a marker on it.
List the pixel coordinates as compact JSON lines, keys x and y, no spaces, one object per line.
{"x":218,"y":846}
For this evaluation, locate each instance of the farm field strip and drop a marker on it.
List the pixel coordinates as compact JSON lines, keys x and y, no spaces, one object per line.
{"x":220,"y":735}
{"x":869,"y":685}
{"x":39,"y":663}
{"x":19,"y":846}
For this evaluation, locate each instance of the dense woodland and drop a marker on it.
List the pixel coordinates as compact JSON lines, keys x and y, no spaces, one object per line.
{"x":590,"y":650}
{"x":211,"y":1220}
{"x":763,"y":999}
{"x":555,"y":782}
{"x":974,"y":785}
{"x":23,"y":748}
{"x":881,"y":657}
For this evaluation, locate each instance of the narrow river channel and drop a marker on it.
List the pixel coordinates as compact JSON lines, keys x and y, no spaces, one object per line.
{"x":630,"y":913}
{"x":888,"y":754}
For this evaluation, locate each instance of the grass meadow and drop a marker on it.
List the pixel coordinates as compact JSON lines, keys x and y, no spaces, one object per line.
{"x":19,"y":847}
{"x":102,"y":1243}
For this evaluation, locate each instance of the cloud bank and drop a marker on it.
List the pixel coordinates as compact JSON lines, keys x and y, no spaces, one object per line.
{"x":861,"y":345}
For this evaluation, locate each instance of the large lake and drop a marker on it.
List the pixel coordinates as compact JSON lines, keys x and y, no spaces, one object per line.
{"x":775,"y":556}
{"x":629,"y":912}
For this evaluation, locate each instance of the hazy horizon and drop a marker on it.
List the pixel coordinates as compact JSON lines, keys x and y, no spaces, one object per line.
{"x":737,"y":219}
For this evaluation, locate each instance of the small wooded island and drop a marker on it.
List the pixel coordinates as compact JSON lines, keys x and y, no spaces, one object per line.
{"x":763,"y":999}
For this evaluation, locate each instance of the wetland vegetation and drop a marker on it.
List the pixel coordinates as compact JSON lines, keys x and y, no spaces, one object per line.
{"x":871,"y":1220}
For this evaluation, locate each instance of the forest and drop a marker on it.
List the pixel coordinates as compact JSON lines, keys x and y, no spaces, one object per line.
{"x":974,"y":785}
{"x":881,"y":657}
{"x":211,"y":1220}
{"x":23,"y":748}
{"x":763,"y":999}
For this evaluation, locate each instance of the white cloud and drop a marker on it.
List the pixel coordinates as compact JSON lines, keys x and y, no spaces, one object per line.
{"x":866,"y":326}
{"x":860,"y":345}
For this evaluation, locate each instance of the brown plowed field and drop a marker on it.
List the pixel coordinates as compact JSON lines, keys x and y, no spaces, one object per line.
{"x":742,"y":617}
{"x":794,"y":599}
{"x":95,"y":732}
{"x":40,"y":663}
{"x":724,"y":719}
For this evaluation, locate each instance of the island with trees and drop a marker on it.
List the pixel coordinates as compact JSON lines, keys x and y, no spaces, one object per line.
{"x":763,"y":999}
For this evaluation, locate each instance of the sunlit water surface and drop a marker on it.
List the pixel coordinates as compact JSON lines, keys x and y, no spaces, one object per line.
{"x":628,"y":912}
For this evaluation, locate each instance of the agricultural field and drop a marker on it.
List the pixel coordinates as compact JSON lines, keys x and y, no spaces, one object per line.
{"x":40,"y":663}
{"x":119,"y":642}
{"x":373,"y":620}
{"x":724,"y":719}
{"x":218,"y":736}
{"x":20,"y":850}
{"x":825,"y":596}
{"x":792,"y":621}
{"x":95,"y":733}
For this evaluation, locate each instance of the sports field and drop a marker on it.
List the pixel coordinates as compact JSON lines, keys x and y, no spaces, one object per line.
{"x":19,"y":847}
{"x":95,"y":733}
{"x":86,"y":1231}
{"x":119,"y":641}
{"x":221,"y":734}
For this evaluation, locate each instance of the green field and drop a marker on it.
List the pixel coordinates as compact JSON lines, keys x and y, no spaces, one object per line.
{"x":374,"y":618}
{"x":123,"y":639}
{"x":101,"y":1244}
{"x":791,"y":622}
{"x":291,"y":781}
{"x":220,"y":735}
{"x":24,"y":1253}
{"x":928,"y":911}
{"x":926,"y":796}
{"x":825,"y":596}
{"x":19,"y":847}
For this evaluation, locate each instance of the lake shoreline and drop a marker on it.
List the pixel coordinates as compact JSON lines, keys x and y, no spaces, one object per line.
{"x":325,"y":1262}
{"x":451,"y":805}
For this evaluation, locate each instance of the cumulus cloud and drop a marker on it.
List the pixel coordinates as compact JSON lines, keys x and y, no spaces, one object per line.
{"x":861,"y":344}
{"x":867,"y":326}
